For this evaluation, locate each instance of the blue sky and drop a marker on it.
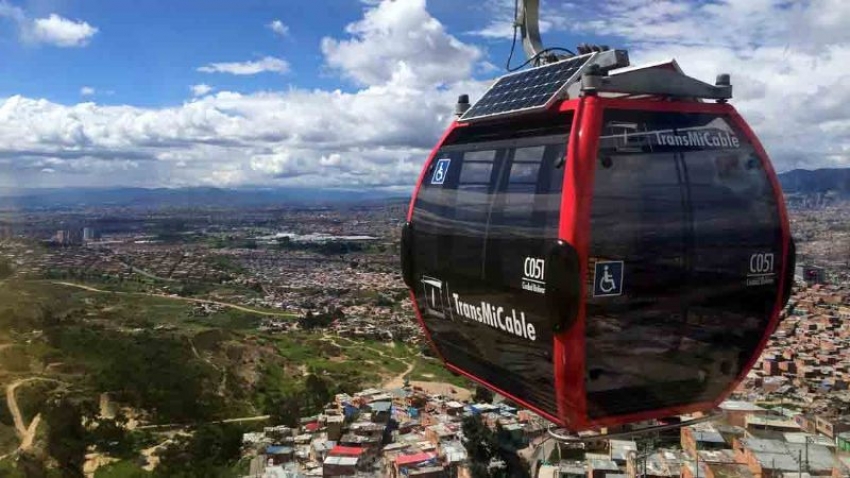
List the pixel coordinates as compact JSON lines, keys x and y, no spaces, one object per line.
{"x":353,"y":93}
{"x":147,"y":53}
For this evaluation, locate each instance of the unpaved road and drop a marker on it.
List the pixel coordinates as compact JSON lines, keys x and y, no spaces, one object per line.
{"x":398,"y":380}
{"x":184,"y":299}
{"x":25,"y":432}
{"x":257,"y":418}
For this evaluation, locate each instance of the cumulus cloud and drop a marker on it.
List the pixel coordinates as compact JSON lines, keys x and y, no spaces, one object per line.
{"x":787,"y":62}
{"x":374,"y":136}
{"x":201,"y":89}
{"x":87,"y":91}
{"x":62,"y":32}
{"x":279,"y":28}
{"x":410,"y":69}
{"x":263,"y":65}
{"x":52,"y":30}
{"x":400,"y":34}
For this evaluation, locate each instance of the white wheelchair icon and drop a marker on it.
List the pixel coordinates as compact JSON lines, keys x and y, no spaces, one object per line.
{"x":440,"y":175}
{"x":441,"y":170}
{"x":609,"y":279}
{"x":607,"y":283}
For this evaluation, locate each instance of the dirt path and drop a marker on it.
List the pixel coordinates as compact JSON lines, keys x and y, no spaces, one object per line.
{"x":184,"y":299}
{"x":144,"y":272}
{"x":25,"y":432}
{"x":29,"y":436}
{"x":257,"y":418}
{"x":222,"y":385}
{"x":398,"y":380}
{"x":12,"y":401}
{"x":329,"y":338}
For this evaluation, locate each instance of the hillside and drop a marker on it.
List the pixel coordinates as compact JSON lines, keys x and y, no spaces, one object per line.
{"x":818,"y":181}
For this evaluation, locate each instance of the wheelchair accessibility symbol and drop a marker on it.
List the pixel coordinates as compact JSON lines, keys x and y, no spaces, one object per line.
{"x":608,"y":279}
{"x":441,"y":170}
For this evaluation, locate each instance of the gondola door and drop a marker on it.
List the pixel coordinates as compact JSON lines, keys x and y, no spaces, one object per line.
{"x":638,"y":268}
{"x":686,"y":254}
{"x":522,"y":230}
{"x":483,"y":222}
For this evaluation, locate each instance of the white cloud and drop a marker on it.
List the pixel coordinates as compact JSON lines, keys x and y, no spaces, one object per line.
{"x":502,"y":17}
{"x":265,"y":64}
{"x":87,"y":91}
{"x":376,"y":136}
{"x":788,"y":63}
{"x":279,"y":28}
{"x":52,"y":30}
{"x":789,"y":86}
{"x":400,"y":34}
{"x":62,"y":32}
{"x":201,"y":89}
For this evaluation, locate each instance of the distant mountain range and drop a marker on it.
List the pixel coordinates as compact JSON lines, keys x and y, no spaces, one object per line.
{"x":818,"y":181}
{"x":796,"y":182}
{"x":185,"y":197}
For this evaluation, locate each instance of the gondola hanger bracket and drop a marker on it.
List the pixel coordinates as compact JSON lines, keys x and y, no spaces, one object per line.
{"x":655,"y":80}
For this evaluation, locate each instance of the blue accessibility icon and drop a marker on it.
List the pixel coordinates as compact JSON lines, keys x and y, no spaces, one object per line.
{"x":441,"y":171}
{"x":608,"y":279}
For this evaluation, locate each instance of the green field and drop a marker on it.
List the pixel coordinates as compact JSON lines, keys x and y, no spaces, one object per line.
{"x":168,"y":361}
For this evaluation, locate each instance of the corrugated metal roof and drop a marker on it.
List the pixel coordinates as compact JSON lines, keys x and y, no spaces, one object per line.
{"x":278,"y":450}
{"x":341,"y":460}
{"x":417,"y":458}
{"x":740,"y":406}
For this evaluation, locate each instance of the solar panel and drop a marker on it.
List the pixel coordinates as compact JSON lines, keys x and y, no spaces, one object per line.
{"x":532,"y":89}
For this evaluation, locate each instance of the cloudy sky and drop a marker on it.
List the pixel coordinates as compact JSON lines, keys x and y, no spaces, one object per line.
{"x":354,"y":93}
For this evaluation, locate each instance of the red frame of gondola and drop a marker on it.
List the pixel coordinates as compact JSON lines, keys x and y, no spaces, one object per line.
{"x":576,"y":201}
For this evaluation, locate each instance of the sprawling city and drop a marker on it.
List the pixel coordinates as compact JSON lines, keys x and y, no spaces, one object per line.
{"x":286,"y":336}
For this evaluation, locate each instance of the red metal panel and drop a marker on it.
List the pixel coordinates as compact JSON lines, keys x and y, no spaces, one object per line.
{"x":574,"y":228}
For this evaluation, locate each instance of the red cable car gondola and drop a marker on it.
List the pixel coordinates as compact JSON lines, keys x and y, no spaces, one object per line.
{"x":616,"y":251}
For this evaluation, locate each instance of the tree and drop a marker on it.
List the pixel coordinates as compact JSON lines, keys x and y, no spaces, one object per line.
{"x":316,"y":393}
{"x":486,"y":448}
{"x":208,"y":453}
{"x":66,"y":436}
{"x":5,"y":268}
{"x":110,"y":436}
{"x":482,"y":395}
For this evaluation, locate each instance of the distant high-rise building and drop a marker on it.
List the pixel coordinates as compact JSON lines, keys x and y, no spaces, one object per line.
{"x":61,"y":237}
{"x":89,"y":234}
{"x":810,"y":274}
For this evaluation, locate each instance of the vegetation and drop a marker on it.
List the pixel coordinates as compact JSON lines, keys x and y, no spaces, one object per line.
{"x":482,"y":394}
{"x":122,"y":469}
{"x":172,"y":363}
{"x":431,"y":369}
{"x":209,"y":453}
{"x":151,"y":371}
{"x":492,"y":454}
{"x":32,"y":397}
{"x":66,"y":436}
{"x":326,"y":247}
{"x":5,"y":268}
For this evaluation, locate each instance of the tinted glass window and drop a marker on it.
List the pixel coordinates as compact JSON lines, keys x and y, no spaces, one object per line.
{"x":684,"y":203}
{"x":502,"y":205}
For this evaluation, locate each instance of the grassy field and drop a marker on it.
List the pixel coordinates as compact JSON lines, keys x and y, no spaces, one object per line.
{"x":432,"y":370}
{"x":122,"y":469}
{"x":173,"y":362}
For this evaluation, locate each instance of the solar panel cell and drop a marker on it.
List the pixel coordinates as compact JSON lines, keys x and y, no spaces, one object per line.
{"x":528,"y":90}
